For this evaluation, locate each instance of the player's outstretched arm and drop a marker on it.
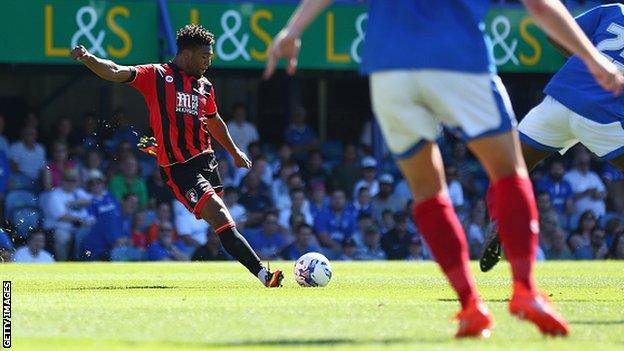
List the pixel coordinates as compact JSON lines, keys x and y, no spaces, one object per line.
{"x":106,"y":69}
{"x":218,"y":129}
{"x":555,"y":19}
{"x":287,"y":42}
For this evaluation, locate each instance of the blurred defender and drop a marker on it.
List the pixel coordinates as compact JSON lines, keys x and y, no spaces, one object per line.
{"x":430,"y":66}
{"x":575,"y":109}
{"x":183,"y":116}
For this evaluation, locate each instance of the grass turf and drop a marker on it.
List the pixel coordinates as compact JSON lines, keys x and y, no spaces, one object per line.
{"x":368,"y":305}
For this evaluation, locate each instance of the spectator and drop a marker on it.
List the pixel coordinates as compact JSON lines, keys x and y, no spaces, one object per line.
{"x":314,"y":172}
{"x":211,"y":251}
{"x":368,"y":168}
{"x":371,"y":250}
{"x":559,"y":189}
{"x":238,"y":212}
{"x":304,"y":243}
{"x":347,"y":173}
{"x":124,"y":131}
{"x":191,"y":231}
{"x":617,"y":249}
{"x":300,"y":136}
{"x":88,"y":137}
{"x":129,"y":181}
{"x":334,"y":224}
{"x":598,"y":245}
{"x":63,"y":133}
{"x":33,"y":251}
{"x":386,"y":223}
{"x":385,"y":200}
{"x":553,"y":238}
{"x":455,"y":190}
{"x":287,"y":179}
{"x":613,"y":229}
{"x":4,"y":144}
{"x":284,"y":156}
{"x":349,"y":249}
{"x":614,"y":179}
{"x":467,"y":170}
{"x":129,"y":208}
{"x":402,"y":193}
{"x":6,"y":247}
{"x":163,"y":214}
{"x":107,"y":227}
{"x":28,"y":156}
{"x":477,"y":228}
{"x":157,"y":190}
{"x":268,"y":241}
{"x":364,"y":221}
{"x":5,"y":172}
{"x":255,"y":199}
{"x":396,"y":242}
{"x":589,"y":191}
{"x":299,"y":205}
{"x":57,"y":166}
{"x":67,"y":215}
{"x":318,"y":200}
{"x":138,"y":236}
{"x":580,"y":240}
{"x":166,"y":248}
{"x":94,"y":162}
{"x":229,"y":174}
{"x":362,"y":203}
{"x":243,"y":133}
{"x":415,"y":249}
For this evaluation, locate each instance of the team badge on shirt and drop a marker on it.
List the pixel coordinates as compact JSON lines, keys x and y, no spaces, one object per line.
{"x":191,"y":195}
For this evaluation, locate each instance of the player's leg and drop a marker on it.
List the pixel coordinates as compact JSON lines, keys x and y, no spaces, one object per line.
{"x":191,"y":186}
{"x":516,"y":211}
{"x":407,"y":126}
{"x":543,"y":131}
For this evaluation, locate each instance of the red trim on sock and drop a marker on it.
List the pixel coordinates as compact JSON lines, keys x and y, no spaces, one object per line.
{"x":439,"y":225}
{"x":518,"y":225}
{"x":224,"y":227}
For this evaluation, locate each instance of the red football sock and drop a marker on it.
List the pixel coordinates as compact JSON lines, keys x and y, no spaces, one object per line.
{"x":518,"y":225}
{"x":438,"y":223}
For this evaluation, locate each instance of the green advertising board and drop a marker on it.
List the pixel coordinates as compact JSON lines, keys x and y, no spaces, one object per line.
{"x":43,"y":31}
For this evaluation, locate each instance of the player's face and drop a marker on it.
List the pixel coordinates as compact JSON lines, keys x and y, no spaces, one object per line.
{"x":201,"y":59}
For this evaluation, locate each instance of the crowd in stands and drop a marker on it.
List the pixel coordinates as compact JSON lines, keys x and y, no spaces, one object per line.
{"x":86,"y":193}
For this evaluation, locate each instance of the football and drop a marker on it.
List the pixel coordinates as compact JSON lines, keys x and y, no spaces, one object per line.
{"x":313,"y":269}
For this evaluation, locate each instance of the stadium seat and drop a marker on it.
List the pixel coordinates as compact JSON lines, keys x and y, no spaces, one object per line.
{"x":19,"y":198}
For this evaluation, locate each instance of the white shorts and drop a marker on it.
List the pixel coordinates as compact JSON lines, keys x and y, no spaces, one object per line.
{"x":550,"y":126}
{"x":413,"y":105}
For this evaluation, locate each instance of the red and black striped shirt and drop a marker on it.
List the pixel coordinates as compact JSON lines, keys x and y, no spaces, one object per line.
{"x":179,"y":105}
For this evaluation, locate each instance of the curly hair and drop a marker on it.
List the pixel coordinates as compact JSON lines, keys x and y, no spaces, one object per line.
{"x":193,"y":35}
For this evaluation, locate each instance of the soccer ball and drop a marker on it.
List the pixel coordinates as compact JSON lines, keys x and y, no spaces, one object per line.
{"x":313,"y":269}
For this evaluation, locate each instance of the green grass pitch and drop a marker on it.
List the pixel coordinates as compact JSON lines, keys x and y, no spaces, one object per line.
{"x":367,"y":305}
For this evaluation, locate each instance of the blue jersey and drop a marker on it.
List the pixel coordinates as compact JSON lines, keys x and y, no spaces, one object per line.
{"x":574,"y":87}
{"x":425,"y":34}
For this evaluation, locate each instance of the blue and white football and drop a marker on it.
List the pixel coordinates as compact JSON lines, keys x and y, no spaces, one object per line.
{"x":313,"y":269}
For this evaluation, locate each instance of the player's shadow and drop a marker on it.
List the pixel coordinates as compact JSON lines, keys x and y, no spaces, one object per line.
{"x":117,"y":287}
{"x":320,"y":342}
{"x":598,"y":322}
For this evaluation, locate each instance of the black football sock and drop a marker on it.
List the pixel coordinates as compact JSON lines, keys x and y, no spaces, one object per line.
{"x":238,"y":247}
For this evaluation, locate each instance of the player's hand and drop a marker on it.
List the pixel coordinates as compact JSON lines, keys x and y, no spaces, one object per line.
{"x":80,"y":53}
{"x":606,"y":74}
{"x":285,"y":44}
{"x":148,"y":145}
{"x":241,"y":160}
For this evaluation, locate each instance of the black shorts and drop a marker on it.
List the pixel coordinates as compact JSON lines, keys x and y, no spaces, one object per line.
{"x":194,"y":181}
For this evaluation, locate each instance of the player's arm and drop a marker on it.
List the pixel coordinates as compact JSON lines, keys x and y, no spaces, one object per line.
{"x":105,"y":69}
{"x":218,"y":129}
{"x":553,"y":17}
{"x":287,"y":42}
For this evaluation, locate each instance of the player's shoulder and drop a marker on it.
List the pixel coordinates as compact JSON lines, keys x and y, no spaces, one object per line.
{"x":612,"y":8}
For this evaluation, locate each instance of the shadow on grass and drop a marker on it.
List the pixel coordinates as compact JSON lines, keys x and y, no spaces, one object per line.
{"x":113,"y":287}
{"x":598,"y":322}
{"x":322,"y":342}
